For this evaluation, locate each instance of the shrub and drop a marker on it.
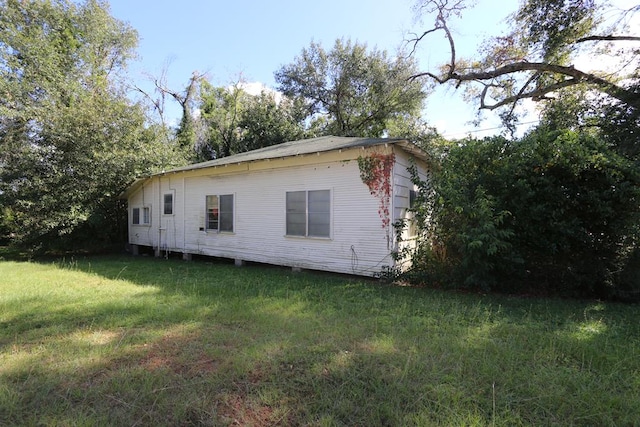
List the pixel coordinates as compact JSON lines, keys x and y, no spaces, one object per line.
{"x":552,"y":212}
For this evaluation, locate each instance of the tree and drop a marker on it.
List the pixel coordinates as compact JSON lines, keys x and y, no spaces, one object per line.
{"x":186,"y":133}
{"x":534,"y":60}
{"x":235,"y":121}
{"x":220,"y":110}
{"x":70,"y":140}
{"x":349,"y":91}
{"x":266,"y":121}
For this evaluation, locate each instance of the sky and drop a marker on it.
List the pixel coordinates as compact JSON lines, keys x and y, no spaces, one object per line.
{"x":252,"y":39}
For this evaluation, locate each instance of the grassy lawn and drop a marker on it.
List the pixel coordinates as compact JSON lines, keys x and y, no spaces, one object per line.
{"x":143,"y":341}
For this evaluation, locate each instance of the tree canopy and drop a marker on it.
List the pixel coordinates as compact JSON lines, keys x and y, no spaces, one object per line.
{"x":233,"y":121}
{"x":555,"y":211}
{"x":350,"y":91}
{"x":70,"y":140}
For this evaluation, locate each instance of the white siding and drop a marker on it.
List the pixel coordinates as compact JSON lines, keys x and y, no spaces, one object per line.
{"x":402,"y":186}
{"x":141,"y":234}
{"x":358,"y":242}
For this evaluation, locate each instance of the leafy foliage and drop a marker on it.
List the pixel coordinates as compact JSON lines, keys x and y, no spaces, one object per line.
{"x":556,"y":211}
{"x":349,"y":91}
{"x":266,"y":121}
{"x":234,"y":121}
{"x":70,"y":141}
{"x":220,"y":111}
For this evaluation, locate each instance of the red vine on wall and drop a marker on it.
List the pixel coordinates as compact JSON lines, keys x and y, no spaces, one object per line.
{"x":375,"y":172}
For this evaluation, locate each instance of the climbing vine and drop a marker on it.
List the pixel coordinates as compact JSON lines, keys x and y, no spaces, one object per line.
{"x":375,"y":172}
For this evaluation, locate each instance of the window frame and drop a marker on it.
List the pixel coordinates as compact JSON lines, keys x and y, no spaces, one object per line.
{"x":143,"y":215}
{"x":171,"y":204}
{"x":222,"y":215}
{"x":308,"y":214}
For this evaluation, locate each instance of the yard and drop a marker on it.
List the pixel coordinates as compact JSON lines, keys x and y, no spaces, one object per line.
{"x":117,"y":340}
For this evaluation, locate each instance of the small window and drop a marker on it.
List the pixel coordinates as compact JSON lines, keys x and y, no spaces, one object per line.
{"x":219,"y":216}
{"x":168,"y":204}
{"x":308,"y":213}
{"x":146,"y":215}
{"x":136,"y":219}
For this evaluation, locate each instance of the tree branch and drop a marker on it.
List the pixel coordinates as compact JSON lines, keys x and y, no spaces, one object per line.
{"x":158,"y":104}
{"x":496,"y":78}
{"x":608,"y":38}
{"x":418,"y":39}
{"x":626,"y":96}
{"x":534,"y":94}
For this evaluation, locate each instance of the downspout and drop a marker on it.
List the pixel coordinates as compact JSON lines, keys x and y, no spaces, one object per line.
{"x":392,"y":209}
{"x":159,"y":250}
{"x":184,"y":216}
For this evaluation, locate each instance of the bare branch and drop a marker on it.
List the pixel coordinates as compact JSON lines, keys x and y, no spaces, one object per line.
{"x":561,"y":76}
{"x":418,"y":39}
{"x":629,"y":97}
{"x":535,"y":95}
{"x":608,"y":38}
{"x":158,"y":104}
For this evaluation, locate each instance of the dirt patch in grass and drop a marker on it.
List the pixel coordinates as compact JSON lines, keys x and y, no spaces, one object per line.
{"x":182,"y":355}
{"x":240,"y":410}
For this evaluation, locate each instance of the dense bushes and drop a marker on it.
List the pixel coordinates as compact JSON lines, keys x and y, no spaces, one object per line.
{"x":554,"y":212}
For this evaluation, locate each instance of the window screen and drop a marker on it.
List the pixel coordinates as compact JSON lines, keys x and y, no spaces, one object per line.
{"x":308,"y":213}
{"x":168,"y":204}
{"x":219,"y":213}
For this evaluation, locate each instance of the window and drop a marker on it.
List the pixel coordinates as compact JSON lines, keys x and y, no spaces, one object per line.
{"x":219,"y":213}
{"x":146,"y":216}
{"x":168,"y":204}
{"x":308,"y":213}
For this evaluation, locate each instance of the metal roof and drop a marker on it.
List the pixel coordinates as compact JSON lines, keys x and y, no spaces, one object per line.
{"x":290,"y":149}
{"x":304,"y":146}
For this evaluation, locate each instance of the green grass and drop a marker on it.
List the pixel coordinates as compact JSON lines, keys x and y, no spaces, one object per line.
{"x":143,"y":341}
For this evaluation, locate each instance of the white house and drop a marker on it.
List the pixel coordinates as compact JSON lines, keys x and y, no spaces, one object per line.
{"x":302,"y":204}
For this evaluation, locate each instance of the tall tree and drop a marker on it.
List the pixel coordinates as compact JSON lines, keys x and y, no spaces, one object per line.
{"x":350,"y":91}
{"x":186,"y":132}
{"x":268,"y":121}
{"x":234,"y":121}
{"x":220,"y":110}
{"x":535,"y":58}
{"x":70,"y":140}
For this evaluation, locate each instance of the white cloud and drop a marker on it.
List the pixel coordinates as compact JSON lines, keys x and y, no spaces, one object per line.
{"x":256,"y":88}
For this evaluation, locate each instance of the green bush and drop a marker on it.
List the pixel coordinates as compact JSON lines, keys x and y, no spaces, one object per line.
{"x":554,"y":212}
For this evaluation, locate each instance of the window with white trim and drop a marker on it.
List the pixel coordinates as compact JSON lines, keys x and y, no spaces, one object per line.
{"x":308,"y":213}
{"x":146,"y":215}
{"x":137,"y":219}
{"x":168,"y":204}
{"x":219,"y":215}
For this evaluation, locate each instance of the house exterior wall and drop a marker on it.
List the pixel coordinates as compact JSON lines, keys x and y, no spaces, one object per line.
{"x":402,"y":188}
{"x":358,"y":243}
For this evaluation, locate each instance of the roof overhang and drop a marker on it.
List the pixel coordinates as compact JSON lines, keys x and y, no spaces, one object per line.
{"x":133,"y":187}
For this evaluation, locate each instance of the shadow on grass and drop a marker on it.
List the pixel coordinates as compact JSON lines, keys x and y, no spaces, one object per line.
{"x":143,"y":341}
